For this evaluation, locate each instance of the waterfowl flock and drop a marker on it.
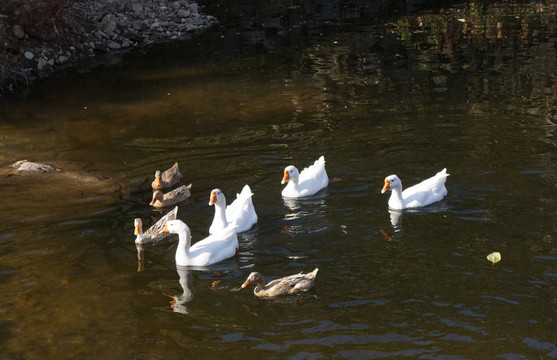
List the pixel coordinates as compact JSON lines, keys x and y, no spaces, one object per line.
{"x":240,"y":215}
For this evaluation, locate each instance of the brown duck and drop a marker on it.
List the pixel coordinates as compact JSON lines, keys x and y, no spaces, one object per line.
{"x":152,"y":235}
{"x":167,"y":179}
{"x":288,"y":285}
{"x":173,"y":197}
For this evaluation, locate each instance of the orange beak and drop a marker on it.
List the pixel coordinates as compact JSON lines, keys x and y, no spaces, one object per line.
{"x":158,"y":181}
{"x":213,"y":198}
{"x":136,"y":230}
{"x":386,"y":187}
{"x":286,"y":177}
{"x":156,"y":196}
{"x":164,"y":230}
{"x":246,"y":283}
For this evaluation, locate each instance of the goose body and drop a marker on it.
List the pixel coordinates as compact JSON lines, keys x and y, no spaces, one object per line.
{"x":173,"y":197}
{"x":307,"y":182}
{"x":422,"y":194}
{"x":153,"y":234}
{"x":167,"y":179}
{"x":240,"y":212}
{"x":288,"y":285}
{"x":211,"y":250}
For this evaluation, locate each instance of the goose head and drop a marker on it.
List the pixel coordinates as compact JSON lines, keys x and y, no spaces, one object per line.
{"x":217,"y":197}
{"x":290,"y":173}
{"x":391,"y":181}
{"x":174,"y":227}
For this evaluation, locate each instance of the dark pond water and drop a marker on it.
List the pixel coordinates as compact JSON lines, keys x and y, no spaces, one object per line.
{"x":473,"y":90}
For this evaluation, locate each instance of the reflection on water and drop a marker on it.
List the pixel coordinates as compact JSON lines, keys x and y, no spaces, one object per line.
{"x":396,"y":216}
{"x":396,"y":221}
{"x":471,"y":88}
{"x":179,"y":302}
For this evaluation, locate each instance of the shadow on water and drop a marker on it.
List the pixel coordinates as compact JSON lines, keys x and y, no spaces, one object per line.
{"x":470,"y":87}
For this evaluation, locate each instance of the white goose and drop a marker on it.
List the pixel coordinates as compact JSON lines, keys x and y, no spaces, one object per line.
{"x":305,"y":183}
{"x":240,"y":212}
{"x":208,"y":251}
{"x":422,"y":194}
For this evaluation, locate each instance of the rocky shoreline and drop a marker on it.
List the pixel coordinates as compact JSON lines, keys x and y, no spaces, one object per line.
{"x":88,"y":29}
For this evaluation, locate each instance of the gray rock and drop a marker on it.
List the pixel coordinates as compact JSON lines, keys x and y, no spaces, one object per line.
{"x":183,"y":13}
{"x":140,"y":25}
{"x":154,"y":25}
{"x":18,"y":32}
{"x":108,"y":23}
{"x":99,"y":46}
{"x":43,"y":65}
{"x":194,"y":8}
{"x":29,"y":55}
{"x":28,"y":167}
{"x":114,"y":45}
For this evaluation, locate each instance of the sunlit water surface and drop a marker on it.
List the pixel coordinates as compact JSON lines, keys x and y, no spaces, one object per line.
{"x":390,"y":285}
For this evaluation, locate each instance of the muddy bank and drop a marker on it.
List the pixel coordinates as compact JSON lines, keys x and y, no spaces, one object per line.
{"x":39,"y":38}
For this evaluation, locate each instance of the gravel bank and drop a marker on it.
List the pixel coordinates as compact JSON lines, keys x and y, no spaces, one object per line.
{"x":36,"y":40}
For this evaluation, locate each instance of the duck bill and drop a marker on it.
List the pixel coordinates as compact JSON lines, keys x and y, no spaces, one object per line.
{"x":213,"y":198}
{"x":158,"y":181}
{"x":286,"y":177}
{"x":156,"y":197}
{"x":246,"y":283}
{"x":164,"y":230}
{"x":386,"y":187}
{"x":136,"y":230}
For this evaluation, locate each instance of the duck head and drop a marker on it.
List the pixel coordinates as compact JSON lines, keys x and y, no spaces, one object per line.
{"x":157,"y":195}
{"x":253,"y":277}
{"x":138,"y":226}
{"x":138,"y":231}
{"x":290,"y":173}
{"x":158,"y":180}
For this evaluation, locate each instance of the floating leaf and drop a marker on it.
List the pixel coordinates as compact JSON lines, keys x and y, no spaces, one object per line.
{"x":494,"y":257}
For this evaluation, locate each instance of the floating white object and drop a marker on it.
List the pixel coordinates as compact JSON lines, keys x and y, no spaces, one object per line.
{"x":494,"y":257}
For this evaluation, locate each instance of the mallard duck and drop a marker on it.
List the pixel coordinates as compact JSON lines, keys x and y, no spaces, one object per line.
{"x":153,"y":234}
{"x":240,"y":212}
{"x":305,"y":183}
{"x":173,"y":197}
{"x":284,"y":286}
{"x":211,"y":250}
{"x":422,"y":194}
{"x":168,"y":178}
